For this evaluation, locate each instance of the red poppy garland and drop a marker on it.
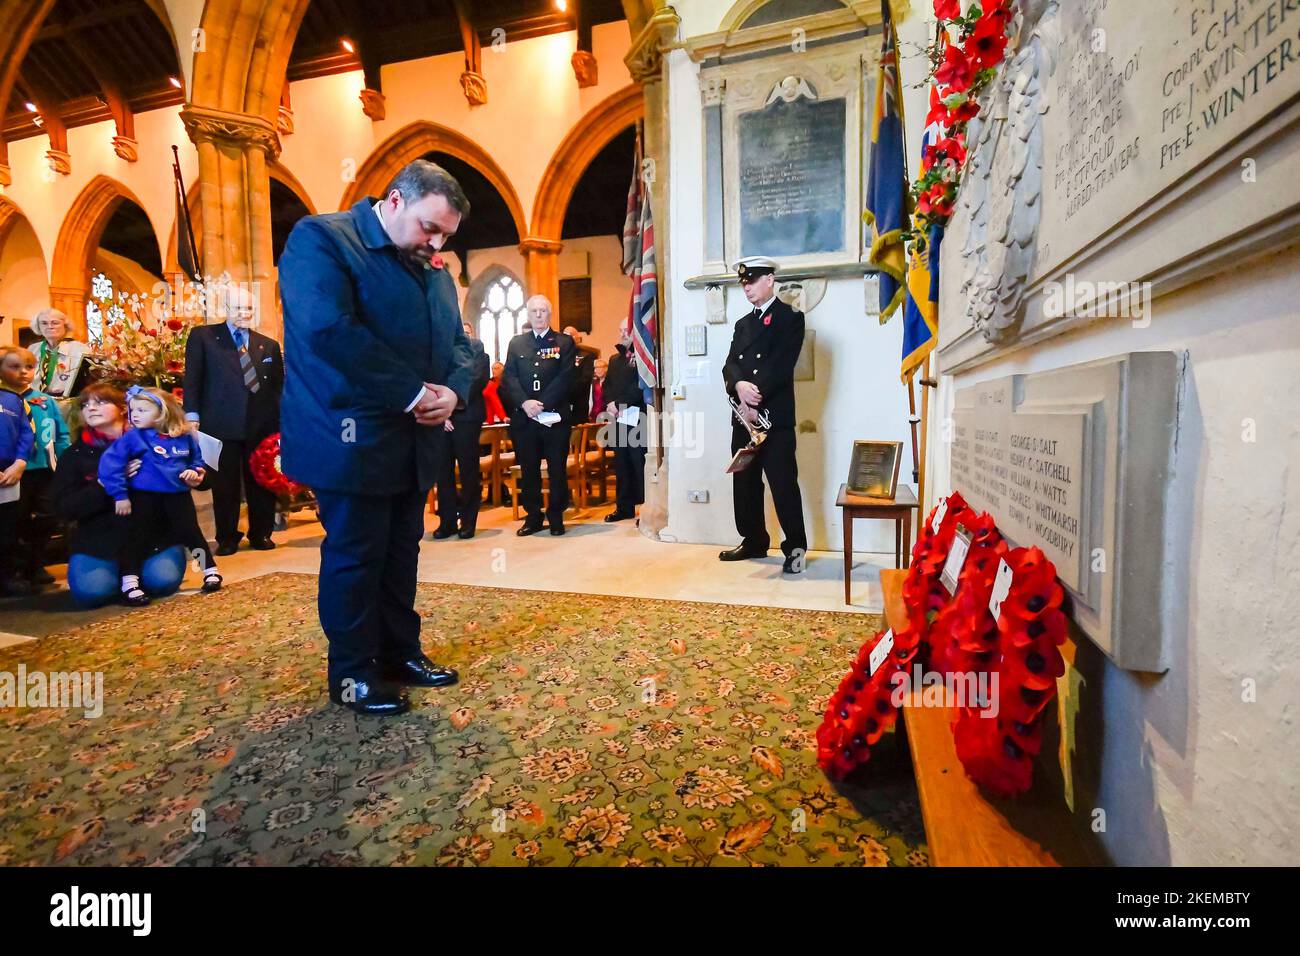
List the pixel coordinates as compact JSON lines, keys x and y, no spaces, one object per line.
{"x":998,"y":751}
{"x":864,"y":706}
{"x":264,"y":463}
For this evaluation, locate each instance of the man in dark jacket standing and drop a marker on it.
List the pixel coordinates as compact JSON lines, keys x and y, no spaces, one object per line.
{"x":759,"y":373}
{"x":622,"y":391}
{"x":378,"y":361}
{"x":233,"y":379}
{"x":458,"y":513}
{"x":537,"y":390}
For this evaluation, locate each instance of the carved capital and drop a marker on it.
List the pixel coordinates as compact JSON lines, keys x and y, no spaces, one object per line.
{"x":60,"y":161}
{"x":585,"y":68}
{"x":645,"y":57}
{"x":713,"y":89}
{"x":240,"y":130}
{"x":372,"y":104}
{"x":284,"y":121}
{"x":126,"y":148}
{"x":6,"y":175}
{"x":475,"y":87}
{"x":533,"y":245}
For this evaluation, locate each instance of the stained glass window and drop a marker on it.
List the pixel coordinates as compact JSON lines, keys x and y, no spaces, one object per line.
{"x":501,"y":314}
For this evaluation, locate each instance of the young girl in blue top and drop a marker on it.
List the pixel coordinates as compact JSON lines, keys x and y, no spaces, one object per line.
{"x":158,"y":497}
{"x":17,"y":446}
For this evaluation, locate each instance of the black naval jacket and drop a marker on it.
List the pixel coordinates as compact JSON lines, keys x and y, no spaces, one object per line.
{"x":538,"y":369}
{"x":766,"y":355}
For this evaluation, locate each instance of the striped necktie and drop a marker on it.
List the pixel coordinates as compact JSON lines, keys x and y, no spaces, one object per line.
{"x":246,"y":366}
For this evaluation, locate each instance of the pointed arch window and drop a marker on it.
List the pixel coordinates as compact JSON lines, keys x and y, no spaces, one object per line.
{"x":500,"y":314}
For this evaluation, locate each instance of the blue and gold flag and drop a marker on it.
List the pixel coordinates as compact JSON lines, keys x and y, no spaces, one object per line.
{"x":887,"y":185}
{"x":921,"y":313}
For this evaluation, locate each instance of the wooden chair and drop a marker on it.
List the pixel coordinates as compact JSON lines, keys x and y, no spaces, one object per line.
{"x":578,"y":438}
{"x":597,"y":465}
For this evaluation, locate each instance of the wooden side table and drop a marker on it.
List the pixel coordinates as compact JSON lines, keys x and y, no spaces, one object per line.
{"x":898,"y":509}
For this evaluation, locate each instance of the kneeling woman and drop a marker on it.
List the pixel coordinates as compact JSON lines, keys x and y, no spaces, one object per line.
{"x":100,"y":538}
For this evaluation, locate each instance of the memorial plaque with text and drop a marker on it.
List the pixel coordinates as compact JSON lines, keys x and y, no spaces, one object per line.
{"x":792,"y":178}
{"x":1053,"y":458}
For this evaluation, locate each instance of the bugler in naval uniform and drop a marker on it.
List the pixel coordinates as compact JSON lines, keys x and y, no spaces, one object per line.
{"x":759,"y":373}
{"x":538,"y":379}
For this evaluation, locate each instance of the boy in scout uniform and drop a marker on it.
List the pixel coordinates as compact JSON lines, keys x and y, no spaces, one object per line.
{"x":759,"y":373}
{"x":538,"y":381}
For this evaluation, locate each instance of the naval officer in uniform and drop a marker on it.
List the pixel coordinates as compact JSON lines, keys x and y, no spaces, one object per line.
{"x":536,"y":388}
{"x":759,"y":373}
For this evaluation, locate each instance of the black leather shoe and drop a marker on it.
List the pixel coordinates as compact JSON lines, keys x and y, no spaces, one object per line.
{"x":421,"y":672}
{"x":378,"y":698}
{"x":618,"y":516}
{"x":262,"y":544}
{"x":465,"y":533}
{"x":741,"y":553}
{"x":529,"y":528}
{"x":225,"y":548}
{"x":795,"y":562}
{"x":557,"y":527}
{"x":443,"y":533}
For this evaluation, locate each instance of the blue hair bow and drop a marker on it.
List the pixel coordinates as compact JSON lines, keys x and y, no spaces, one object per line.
{"x":136,"y":391}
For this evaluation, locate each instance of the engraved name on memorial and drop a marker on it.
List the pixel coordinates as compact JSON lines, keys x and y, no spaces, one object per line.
{"x":1109,"y":131}
{"x":1059,"y":459}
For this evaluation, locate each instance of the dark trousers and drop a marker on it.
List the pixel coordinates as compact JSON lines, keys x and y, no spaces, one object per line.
{"x":36,"y":519}
{"x":163,"y":516}
{"x":462,"y":456}
{"x":776,"y":460}
{"x":629,"y":472}
{"x":533,"y":443}
{"x":9,"y":515}
{"x":367,"y":581}
{"x":232,"y":472}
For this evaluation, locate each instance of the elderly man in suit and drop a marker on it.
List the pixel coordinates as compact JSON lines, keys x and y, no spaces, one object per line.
{"x":458,"y":512}
{"x":233,"y":379}
{"x":378,"y":361}
{"x":759,"y":373}
{"x":537,"y":390}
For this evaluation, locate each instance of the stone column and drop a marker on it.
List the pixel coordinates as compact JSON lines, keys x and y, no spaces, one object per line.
{"x":542,"y":268}
{"x":235,"y":197}
{"x":645,"y":61}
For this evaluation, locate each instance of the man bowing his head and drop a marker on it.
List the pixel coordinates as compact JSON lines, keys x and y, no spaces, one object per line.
{"x":376,"y":363}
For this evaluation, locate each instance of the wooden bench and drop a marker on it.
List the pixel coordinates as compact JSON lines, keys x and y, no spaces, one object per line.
{"x":965,"y":826}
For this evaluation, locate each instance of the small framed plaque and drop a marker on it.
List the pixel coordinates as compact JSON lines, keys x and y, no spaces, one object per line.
{"x":873,"y":470}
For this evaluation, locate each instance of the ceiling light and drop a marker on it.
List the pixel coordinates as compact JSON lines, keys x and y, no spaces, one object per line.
{"x":347,"y":45}
{"x":174,"y":82}
{"x":31,"y":107}
{"x":561,"y":5}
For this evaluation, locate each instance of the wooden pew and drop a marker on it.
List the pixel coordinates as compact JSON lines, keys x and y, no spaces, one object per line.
{"x":965,"y":826}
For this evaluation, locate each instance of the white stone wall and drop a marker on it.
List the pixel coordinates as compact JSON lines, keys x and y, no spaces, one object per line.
{"x":1189,"y":773}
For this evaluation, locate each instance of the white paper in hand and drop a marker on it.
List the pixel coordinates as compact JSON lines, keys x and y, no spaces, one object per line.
{"x":629,"y":416}
{"x":211,"y":448}
{"x":9,"y":493}
{"x":548,"y":418}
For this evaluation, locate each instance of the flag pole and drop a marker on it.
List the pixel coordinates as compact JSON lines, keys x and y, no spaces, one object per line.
{"x":926,"y":385}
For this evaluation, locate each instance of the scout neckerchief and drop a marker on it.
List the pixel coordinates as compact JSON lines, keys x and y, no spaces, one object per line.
{"x":49,"y":362}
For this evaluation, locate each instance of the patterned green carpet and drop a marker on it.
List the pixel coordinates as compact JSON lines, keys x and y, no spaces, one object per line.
{"x":585,"y":730}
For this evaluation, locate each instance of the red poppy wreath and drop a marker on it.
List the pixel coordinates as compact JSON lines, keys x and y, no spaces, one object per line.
{"x":264,"y":463}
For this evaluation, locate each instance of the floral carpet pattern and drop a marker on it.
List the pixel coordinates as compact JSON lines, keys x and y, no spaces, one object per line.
{"x":585,"y":730}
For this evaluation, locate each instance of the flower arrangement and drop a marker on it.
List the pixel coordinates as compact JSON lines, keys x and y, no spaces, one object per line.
{"x":963,"y":61}
{"x":130,"y":350}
